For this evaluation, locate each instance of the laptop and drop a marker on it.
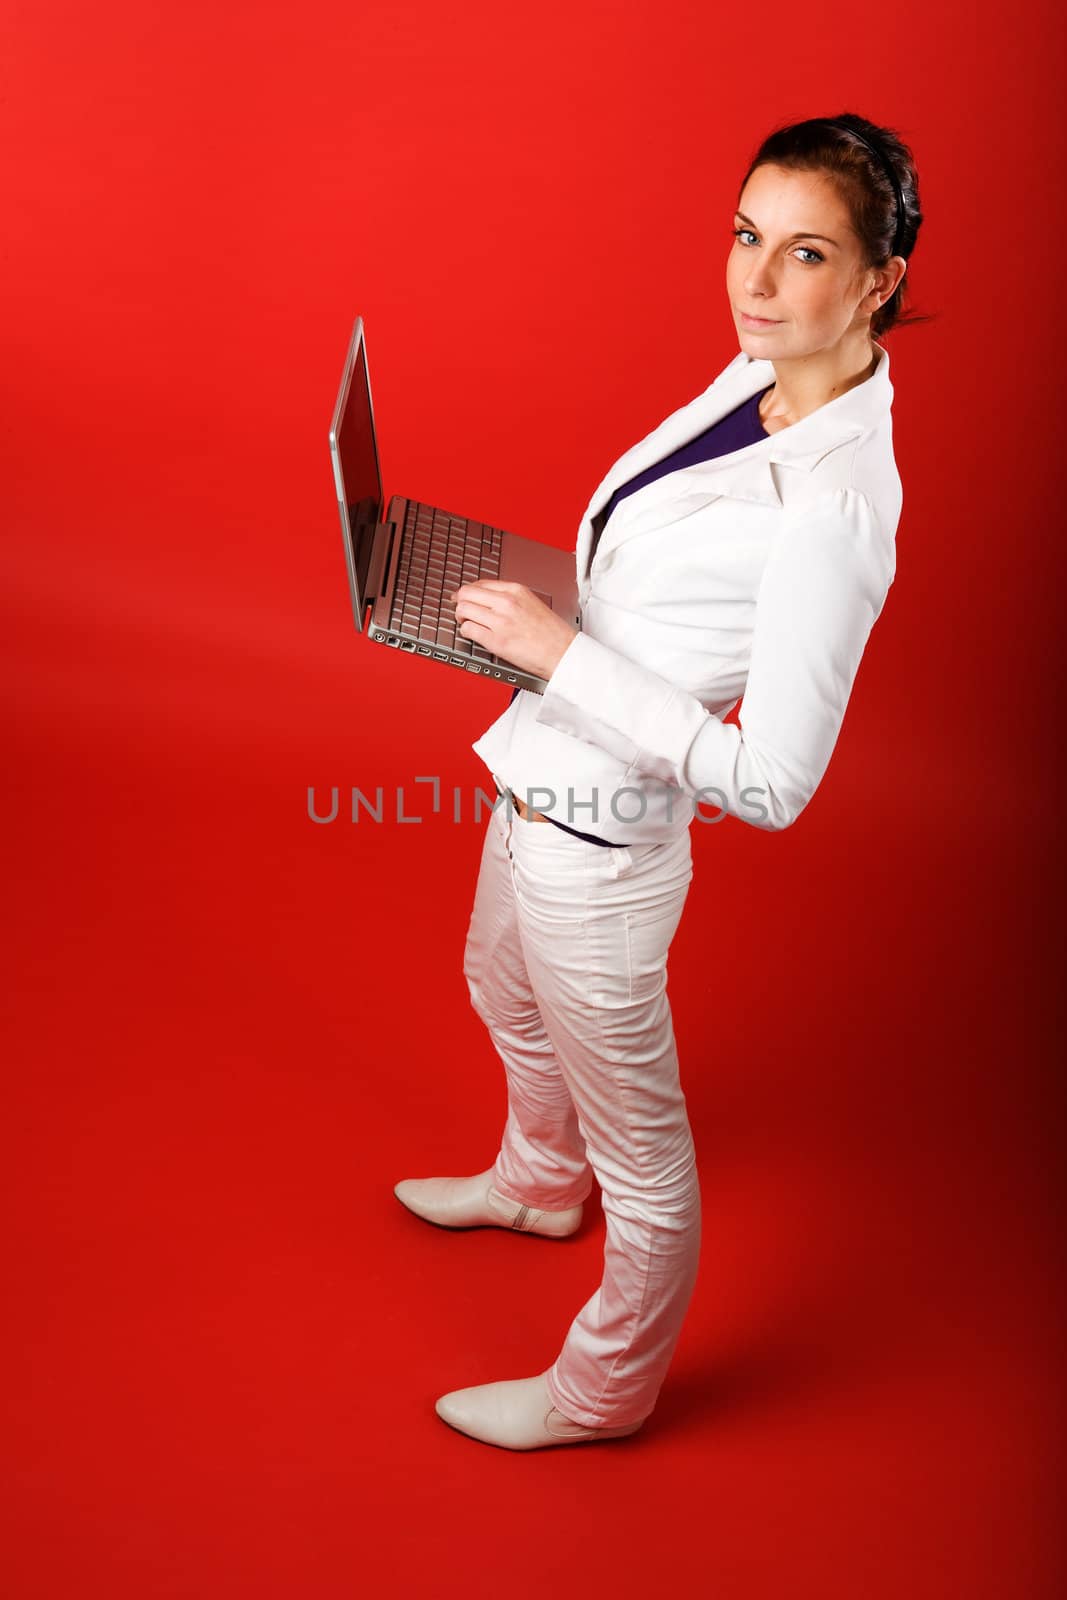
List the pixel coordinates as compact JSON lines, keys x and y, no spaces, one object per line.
{"x":403,"y":564}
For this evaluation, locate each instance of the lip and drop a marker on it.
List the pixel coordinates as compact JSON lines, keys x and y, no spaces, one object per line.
{"x":757,"y":322}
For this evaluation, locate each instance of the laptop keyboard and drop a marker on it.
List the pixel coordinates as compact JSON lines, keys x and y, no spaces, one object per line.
{"x":438,"y":552}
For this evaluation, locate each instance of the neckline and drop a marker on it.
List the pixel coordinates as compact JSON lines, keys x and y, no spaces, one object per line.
{"x":756,"y":398}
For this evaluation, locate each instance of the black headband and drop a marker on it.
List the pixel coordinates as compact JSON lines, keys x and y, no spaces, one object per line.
{"x":883,"y":157}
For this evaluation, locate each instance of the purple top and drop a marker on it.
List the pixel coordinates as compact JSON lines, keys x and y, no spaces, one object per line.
{"x":738,"y":428}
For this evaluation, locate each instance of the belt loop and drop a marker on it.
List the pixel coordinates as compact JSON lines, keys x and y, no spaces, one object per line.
{"x":621,"y":860}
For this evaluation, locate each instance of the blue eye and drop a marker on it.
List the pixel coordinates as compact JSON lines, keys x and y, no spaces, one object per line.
{"x":805,"y":247}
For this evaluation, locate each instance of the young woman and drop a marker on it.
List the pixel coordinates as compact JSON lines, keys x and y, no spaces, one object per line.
{"x":744,"y":548}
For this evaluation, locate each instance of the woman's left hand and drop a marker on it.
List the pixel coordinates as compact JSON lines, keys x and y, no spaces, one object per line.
{"x":509,"y":620}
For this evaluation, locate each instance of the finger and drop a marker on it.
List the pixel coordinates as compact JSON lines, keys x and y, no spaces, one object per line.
{"x":503,"y":585}
{"x":464,"y":607}
{"x":499,"y":583}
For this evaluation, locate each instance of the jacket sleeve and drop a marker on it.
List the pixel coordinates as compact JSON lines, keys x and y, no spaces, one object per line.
{"x":824,"y":584}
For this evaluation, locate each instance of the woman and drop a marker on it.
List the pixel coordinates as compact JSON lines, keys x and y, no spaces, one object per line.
{"x":746,"y":546}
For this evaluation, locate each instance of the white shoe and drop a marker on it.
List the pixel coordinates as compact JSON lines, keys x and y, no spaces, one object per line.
{"x":474,"y":1203}
{"x":518,"y":1414}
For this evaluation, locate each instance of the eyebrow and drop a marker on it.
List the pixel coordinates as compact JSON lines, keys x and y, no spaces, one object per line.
{"x":792,"y":236}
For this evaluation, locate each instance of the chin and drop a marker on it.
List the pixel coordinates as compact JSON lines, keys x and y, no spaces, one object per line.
{"x":757,"y":344}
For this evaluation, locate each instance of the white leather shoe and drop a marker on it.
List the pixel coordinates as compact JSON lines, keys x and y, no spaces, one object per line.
{"x":518,"y":1414}
{"x":474,"y":1203}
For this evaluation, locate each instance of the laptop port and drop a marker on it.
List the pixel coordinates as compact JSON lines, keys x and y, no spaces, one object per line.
{"x":407,"y":644}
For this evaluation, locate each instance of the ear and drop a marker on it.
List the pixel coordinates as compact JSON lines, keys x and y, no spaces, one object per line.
{"x":898,"y":267}
{"x":888,"y":278}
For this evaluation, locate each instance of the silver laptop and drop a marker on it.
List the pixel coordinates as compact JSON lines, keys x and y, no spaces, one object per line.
{"x":402,"y":565}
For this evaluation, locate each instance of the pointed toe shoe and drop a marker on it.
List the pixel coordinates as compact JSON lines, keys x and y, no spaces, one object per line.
{"x":474,"y":1203}
{"x":518,"y":1414}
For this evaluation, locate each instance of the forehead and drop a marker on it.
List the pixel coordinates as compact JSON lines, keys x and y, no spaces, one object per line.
{"x":782,"y":201}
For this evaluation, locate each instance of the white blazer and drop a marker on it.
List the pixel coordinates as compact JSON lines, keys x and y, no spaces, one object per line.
{"x":760,"y":573}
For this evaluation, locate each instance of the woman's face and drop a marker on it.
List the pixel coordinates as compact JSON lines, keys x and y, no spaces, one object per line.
{"x":808,"y":287}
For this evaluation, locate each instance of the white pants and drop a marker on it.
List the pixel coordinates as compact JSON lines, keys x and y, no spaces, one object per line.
{"x":566,"y":960}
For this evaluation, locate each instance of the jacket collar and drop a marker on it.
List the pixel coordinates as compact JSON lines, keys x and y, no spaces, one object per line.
{"x":745,"y":474}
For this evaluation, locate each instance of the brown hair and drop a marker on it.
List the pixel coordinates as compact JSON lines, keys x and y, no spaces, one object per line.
{"x":826,"y":144}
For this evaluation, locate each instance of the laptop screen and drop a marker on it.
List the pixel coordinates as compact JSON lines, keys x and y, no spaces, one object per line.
{"x":357,"y":479}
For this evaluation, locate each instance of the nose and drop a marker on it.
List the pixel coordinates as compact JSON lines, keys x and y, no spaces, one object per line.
{"x":758,"y":281}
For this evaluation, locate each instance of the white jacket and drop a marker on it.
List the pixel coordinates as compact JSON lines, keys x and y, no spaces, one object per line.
{"x":759,"y":573}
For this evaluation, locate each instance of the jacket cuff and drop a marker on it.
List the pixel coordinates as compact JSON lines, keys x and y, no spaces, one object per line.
{"x":607,"y":700}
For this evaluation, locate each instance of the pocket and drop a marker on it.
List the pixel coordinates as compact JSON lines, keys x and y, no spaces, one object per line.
{"x":648,"y":940}
{"x":546,"y":875}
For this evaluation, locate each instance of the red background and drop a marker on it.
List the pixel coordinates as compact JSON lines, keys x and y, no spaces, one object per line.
{"x":230,"y":1031}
